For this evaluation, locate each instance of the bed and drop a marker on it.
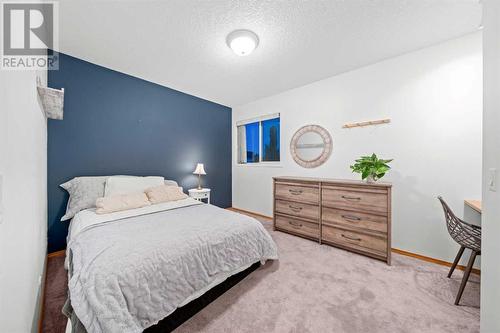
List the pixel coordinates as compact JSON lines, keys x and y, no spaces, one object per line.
{"x":130,"y":269}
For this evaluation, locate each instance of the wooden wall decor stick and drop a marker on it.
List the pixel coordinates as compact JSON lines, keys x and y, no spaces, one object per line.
{"x":367,"y":123}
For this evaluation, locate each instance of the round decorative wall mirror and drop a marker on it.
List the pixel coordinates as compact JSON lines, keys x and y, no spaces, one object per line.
{"x":311,"y":146}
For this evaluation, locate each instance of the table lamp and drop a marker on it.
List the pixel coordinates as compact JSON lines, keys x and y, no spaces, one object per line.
{"x":200,"y":170}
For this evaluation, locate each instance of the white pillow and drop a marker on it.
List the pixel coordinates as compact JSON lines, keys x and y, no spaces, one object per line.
{"x":83,"y":192}
{"x":116,"y":185}
{"x":169,"y":182}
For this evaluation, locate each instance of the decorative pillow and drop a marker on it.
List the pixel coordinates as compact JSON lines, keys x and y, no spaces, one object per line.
{"x":165,"y":193}
{"x":121,"y":202}
{"x":83,"y":192}
{"x":123,"y":185}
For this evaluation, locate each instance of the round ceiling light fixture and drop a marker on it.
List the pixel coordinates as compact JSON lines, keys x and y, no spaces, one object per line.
{"x":242,"y":42}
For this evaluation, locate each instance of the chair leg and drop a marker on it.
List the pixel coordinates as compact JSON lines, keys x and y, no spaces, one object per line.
{"x":457,"y":259}
{"x":466,"y":276}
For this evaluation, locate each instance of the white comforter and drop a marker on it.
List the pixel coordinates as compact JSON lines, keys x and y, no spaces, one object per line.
{"x":128,"y":270}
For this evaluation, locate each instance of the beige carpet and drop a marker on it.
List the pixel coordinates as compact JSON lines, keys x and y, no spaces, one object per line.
{"x":314,"y":288}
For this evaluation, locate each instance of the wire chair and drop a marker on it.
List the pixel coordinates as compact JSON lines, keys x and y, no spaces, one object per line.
{"x":468,"y":236}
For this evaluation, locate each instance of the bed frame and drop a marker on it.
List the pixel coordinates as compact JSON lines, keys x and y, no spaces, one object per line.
{"x":182,"y":314}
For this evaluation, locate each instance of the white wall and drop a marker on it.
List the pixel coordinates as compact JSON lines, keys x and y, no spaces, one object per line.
{"x":434,"y":98}
{"x":23,"y":232}
{"x":490,"y":275}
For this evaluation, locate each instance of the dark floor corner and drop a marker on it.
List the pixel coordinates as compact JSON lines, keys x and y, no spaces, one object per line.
{"x":55,"y":296}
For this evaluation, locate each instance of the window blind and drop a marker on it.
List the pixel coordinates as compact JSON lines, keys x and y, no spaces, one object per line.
{"x":256,"y":119}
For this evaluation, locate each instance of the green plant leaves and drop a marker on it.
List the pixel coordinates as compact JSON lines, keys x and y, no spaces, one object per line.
{"x":371,"y":166}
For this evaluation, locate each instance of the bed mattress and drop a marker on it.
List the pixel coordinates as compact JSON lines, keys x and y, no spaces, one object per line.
{"x":128,"y":270}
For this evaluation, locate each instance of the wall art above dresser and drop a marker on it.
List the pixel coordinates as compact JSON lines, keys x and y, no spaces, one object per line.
{"x":311,"y":146}
{"x":352,"y":215}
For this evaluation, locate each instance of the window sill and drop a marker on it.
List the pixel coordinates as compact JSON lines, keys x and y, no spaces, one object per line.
{"x":260,"y":165}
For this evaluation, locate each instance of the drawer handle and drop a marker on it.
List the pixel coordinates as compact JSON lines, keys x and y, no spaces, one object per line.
{"x":295,"y":224}
{"x":295,"y":192}
{"x":350,"y":198}
{"x":294,"y":208}
{"x":351,"y":238}
{"x":351,"y":218}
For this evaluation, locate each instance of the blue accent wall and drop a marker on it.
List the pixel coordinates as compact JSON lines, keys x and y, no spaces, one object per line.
{"x":118,"y":124}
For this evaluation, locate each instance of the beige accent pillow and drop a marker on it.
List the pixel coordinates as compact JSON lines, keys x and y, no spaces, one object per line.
{"x":121,"y":202}
{"x":165,"y":193}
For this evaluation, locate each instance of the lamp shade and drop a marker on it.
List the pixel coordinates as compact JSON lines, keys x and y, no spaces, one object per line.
{"x":200,"y":170}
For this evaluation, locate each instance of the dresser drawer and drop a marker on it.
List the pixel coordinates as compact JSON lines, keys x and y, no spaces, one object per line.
{"x":297,"y":209}
{"x":355,"y":240}
{"x":298,"y":193}
{"x":352,"y":215}
{"x":352,"y":199}
{"x":355,"y":219}
{"x":308,"y":229}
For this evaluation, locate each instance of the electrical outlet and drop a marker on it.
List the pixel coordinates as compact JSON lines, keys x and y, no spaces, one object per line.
{"x":492,"y":183}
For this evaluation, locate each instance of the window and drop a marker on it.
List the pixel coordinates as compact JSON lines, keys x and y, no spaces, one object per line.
{"x":252,"y":142}
{"x":271,"y":140}
{"x":259,"y":140}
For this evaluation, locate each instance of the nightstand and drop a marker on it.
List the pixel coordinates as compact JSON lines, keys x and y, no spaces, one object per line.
{"x":199,"y":195}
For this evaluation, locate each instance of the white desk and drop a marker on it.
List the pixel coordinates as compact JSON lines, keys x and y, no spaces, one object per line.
{"x":472,"y":211}
{"x":474,"y":204}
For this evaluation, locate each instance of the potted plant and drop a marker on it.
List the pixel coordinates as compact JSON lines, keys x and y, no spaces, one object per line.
{"x":371,"y":167}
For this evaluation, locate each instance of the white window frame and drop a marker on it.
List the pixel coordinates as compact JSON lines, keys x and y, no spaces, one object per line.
{"x":260,"y":120}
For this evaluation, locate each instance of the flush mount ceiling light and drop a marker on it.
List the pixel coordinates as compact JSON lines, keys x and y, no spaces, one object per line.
{"x":242,"y":42}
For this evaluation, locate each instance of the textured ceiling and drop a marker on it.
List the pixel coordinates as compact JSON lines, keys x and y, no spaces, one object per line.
{"x":181,"y":43}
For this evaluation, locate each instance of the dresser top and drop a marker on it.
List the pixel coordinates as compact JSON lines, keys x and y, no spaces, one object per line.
{"x":332,"y":180}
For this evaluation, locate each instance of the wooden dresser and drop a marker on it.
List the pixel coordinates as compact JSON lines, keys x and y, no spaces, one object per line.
{"x":352,"y":215}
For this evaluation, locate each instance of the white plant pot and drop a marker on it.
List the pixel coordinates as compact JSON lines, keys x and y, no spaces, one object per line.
{"x":370,"y":179}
